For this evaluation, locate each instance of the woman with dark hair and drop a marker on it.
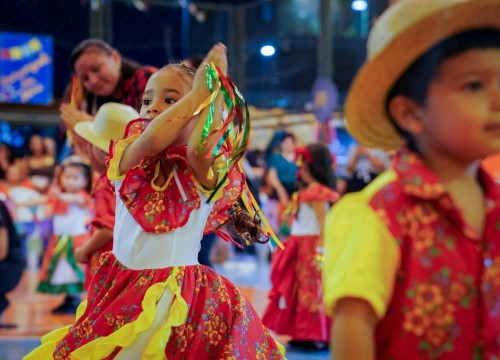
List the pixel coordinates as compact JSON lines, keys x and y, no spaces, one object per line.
{"x":101,"y":75}
{"x":295,"y":307}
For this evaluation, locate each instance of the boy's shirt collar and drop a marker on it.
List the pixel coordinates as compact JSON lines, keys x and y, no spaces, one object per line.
{"x":416,"y":178}
{"x":420,"y":181}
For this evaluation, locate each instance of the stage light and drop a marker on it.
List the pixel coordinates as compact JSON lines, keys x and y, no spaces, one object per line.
{"x":359,"y":5}
{"x":267,"y":50}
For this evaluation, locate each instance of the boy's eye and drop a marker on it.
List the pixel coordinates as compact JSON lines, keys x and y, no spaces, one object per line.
{"x":170,"y":101}
{"x":474,"y":85}
{"x":146,"y":102}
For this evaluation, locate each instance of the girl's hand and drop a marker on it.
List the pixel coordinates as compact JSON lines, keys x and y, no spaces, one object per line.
{"x":217,"y":56}
{"x":70,"y":115}
{"x":81,"y":255}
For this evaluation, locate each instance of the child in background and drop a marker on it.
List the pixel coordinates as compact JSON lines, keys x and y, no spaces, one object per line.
{"x":412,"y":261}
{"x":295,"y":306}
{"x":18,"y":193}
{"x":70,"y":203}
{"x":150,"y":297}
{"x":109,"y":124}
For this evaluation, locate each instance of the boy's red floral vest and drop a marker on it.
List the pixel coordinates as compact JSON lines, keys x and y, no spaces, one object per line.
{"x":446,"y":299}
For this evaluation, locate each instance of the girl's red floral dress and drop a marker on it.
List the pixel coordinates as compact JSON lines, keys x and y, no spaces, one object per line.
{"x":150,"y":298}
{"x":295,"y":307}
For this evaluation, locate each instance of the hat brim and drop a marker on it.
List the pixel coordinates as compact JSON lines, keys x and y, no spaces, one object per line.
{"x":85,"y":129}
{"x":365,"y":112}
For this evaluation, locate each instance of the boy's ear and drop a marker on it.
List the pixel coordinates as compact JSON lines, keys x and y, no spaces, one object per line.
{"x":406,"y":113}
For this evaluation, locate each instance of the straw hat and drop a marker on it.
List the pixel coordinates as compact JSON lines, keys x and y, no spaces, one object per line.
{"x":402,"y":34}
{"x":109,"y":124}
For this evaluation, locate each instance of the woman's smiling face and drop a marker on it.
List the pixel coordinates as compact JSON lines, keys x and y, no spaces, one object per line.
{"x":98,"y":71}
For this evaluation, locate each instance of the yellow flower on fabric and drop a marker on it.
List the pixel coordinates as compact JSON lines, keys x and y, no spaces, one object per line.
{"x":153,"y":207}
{"x":425,"y":214}
{"x":201,"y":281}
{"x":262,"y":351}
{"x":437,"y":335}
{"x":85,"y":329}
{"x":142,"y":281}
{"x":424,"y":238}
{"x":159,"y":228}
{"x":62,"y":353}
{"x":224,"y":296}
{"x":416,"y":321}
{"x":228,"y":352}
{"x":428,"y":296}
{"x":443,"y":315}
{"x":214,"y":337}
{"x":457,"y":291}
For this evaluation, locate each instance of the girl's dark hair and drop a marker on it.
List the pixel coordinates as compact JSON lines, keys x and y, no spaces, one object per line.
{"x":321,"y":165}
{"x":127,"y":70}
{"x":190,"y":71}
{"x":415,"y":81}
{"x":194,"y":61}
{"x":187,"y":70}
{"x":245,"y":227}
{"x":84,"y":168}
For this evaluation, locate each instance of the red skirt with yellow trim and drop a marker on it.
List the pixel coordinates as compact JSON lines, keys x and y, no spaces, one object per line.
{"x":205,"y":316}
{"x":295,"y":300}
{"x":93,"y":264}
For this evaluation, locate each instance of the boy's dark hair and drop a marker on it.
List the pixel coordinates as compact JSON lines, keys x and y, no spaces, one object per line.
{"x":414,"y":83}
{"x":321,"y":165}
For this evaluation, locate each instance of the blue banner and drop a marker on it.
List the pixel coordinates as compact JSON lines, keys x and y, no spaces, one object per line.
{"x":26,"y":68}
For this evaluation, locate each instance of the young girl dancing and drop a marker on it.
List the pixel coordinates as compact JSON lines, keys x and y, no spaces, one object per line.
{"x":70,"y":204}
{"x":295,"y":307}
{"x":150,"y":298}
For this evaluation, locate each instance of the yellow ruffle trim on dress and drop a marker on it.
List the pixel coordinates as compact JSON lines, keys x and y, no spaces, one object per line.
{"x":206,"y":192}
{"x":114,"y":163}
{"x":124,"y":336}
{"x":49,"y":340}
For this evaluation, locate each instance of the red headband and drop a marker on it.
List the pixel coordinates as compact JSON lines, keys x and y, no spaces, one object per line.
{"x":303,"y":154}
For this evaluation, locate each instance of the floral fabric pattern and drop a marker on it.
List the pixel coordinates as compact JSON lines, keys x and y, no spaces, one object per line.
{"x":219,"y":322}
{"x":447,"y":295}
{"x":165,"y":207}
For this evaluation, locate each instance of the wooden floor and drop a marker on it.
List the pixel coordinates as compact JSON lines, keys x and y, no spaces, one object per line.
{"x":30,"y":310}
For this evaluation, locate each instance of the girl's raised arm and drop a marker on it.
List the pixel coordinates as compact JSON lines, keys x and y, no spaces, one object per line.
{"x":166,"y":127}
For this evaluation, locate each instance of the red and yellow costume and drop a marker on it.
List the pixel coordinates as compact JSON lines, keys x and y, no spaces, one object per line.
{"x":295,"y":301}
{"x":150,"y":298}
{"x":60,"y":273}
{"x":104,"y":217}
{"x":403,"y":246}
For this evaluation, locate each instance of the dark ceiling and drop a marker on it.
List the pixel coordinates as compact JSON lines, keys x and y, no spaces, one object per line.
{"x":235,"y":2}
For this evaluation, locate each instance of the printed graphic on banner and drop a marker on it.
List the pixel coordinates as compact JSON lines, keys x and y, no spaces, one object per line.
{"x":26,"y":68}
